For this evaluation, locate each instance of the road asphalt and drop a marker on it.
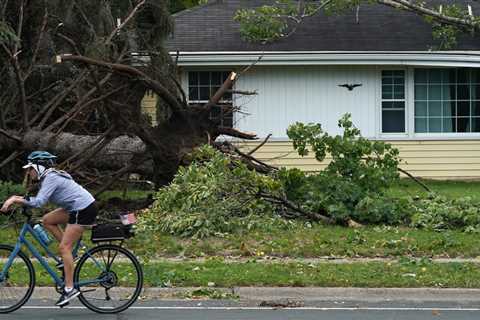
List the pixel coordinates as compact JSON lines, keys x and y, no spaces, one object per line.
{"x":265,"y":303}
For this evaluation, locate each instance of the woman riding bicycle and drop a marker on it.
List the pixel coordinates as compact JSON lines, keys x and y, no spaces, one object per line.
{"x":77,"y":209}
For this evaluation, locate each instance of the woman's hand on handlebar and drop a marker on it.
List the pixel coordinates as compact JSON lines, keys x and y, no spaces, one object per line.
{"x":10,"y":201}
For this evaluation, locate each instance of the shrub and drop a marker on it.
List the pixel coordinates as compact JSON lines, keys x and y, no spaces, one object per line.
{"x":8,"y":189}
{"x":359,"y":169}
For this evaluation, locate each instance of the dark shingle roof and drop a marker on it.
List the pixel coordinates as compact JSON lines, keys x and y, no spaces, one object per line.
{"x":380,"y":28}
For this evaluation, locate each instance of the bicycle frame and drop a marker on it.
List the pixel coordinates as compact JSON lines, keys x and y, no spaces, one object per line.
{"x":28,"y":229}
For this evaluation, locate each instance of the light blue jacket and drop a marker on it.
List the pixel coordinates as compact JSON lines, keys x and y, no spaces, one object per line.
{"x":60,"y":189}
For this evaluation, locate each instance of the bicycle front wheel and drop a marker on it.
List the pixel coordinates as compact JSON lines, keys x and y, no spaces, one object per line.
{"x":17,"y":283}
{"x":110,"y":279}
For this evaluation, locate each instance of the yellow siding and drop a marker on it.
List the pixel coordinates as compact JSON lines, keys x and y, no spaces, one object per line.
{"x":148,"y":106}
{"x":452,"y":159}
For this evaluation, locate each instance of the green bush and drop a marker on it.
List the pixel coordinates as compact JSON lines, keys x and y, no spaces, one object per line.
{"x":214,"y":195}
{"x":360,"y":169}
{"x":8,"y":189}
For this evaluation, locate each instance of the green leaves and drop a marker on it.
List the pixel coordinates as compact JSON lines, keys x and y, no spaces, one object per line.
{"x":272,"y":22}
{"x":214,"y":195}
{"x":304,"y":135}
{"x":439,"y":213}
{"x":359,"y":168}
{"x":8,"y":189}
{"x":261,"y":24}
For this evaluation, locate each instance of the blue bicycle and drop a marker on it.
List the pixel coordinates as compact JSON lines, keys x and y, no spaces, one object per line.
{"x":109,"y":276}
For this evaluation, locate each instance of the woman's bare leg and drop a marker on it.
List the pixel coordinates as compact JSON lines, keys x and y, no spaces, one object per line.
{"x":52,"y":219}
{"x":72,"y":233}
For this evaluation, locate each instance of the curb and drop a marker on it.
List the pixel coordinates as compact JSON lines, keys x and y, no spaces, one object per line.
{"x":310,"y":294}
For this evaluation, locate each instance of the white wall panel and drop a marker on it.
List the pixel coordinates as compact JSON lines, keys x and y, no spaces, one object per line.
{"x":307,"y":94}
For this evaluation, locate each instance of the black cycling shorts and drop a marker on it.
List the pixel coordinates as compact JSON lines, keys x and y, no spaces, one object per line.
{"x":84,"y":217}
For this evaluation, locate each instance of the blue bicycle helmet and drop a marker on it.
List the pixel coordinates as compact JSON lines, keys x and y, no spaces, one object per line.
{"x":42,"y":158}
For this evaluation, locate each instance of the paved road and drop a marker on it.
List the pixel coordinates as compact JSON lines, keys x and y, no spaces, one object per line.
{"x":243,"y":310}
{"x":245,"y":314}
{"x":235,"y":314}
{"x":302,"y":304}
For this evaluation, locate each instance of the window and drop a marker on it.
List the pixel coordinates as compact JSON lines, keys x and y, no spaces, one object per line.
{"x":393,"y":101}
{"x":447,"y":100}
{"x":203,"y":84}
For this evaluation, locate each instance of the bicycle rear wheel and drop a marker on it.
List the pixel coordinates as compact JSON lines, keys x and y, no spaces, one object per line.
{"x":16,"y":285}
{"x":111,"y":279}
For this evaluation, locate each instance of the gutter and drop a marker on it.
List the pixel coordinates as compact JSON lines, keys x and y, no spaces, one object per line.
{"x":282,"y":58}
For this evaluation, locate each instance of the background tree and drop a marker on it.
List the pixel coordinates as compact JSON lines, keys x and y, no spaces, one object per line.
{"x":73,"y":75}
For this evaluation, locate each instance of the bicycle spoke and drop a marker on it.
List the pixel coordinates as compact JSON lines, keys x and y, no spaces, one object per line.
{"x":105,"y":262}
{"x":111,"y":262}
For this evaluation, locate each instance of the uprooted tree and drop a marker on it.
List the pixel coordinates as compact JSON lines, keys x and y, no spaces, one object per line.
{"x":73,"y":75}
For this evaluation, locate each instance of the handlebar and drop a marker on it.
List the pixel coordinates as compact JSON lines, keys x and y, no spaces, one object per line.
{"x":24,"y":210}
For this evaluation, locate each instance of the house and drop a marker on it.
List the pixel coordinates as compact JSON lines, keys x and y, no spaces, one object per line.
{"x":424,"y":102}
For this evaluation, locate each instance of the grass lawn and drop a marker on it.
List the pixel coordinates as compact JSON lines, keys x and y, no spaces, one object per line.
{"x":451,"y":189}
{"x":305,"y":242}
{"x":405,"y":273}
{"x":318,"y":241}
{"x":401,"y":274}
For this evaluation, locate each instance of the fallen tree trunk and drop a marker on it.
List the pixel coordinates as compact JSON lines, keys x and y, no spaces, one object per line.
{"x":117,"y":153}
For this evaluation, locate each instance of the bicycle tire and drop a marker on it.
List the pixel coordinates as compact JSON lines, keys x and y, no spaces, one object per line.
{"x":12,"y":287}
{"x":129,"y":266}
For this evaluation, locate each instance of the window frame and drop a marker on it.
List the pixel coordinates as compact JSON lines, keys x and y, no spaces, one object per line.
{"x":186,"y":88}
{"x":410,"y":133}
{"x":187,"y":84}
{"x":393,"y":135}
{"x":434,"y":135}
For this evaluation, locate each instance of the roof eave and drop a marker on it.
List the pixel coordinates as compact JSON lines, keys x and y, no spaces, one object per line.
{"x":419,"y":58}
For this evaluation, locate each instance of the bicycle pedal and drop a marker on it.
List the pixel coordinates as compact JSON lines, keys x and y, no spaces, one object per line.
{"x":64,"y":305}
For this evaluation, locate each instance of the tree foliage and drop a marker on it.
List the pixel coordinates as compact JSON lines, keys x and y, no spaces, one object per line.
{"x":179,"y":5}
{"x":280,"y":19}
{"x":358,"y":168}
{"x":213,"y":195}
{"x":436,"y":212}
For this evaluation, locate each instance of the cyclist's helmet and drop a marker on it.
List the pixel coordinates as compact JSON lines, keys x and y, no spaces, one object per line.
{"x":42,"y":158}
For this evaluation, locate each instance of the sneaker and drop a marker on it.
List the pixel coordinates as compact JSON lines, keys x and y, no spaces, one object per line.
{"x":67,"y":296}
